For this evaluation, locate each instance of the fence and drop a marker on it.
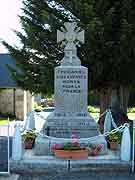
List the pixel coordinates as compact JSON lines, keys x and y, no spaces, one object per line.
{"x":5,"y":143}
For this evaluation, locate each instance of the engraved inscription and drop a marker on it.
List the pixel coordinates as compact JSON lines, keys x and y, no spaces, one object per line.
{"x":71,"y":80}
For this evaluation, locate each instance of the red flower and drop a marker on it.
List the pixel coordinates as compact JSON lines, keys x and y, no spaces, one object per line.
{"x":55,"y":147}
{"x":74,"y":136}
{"x":99,"y":147}
{"x":93,"y":146}
{"x":75,"y":143}
{"x":93,"y":153}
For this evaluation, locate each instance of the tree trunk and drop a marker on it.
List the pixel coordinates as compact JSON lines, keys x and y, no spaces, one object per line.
{"x":119,"y":104}
{"x":117,"y":100}
{"x":124,"y":97}
{"x":105,"y":97}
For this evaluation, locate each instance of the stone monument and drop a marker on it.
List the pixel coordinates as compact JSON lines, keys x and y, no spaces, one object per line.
{"x":71,"y":85}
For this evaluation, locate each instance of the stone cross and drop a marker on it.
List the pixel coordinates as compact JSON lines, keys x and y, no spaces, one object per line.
{"x":72,"y":36}
{"x":71,"y":33}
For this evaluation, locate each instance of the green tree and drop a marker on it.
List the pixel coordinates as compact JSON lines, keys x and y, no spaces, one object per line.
{"x":108,"y":52}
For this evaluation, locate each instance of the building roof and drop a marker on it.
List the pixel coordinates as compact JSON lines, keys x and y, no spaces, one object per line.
{"x":6,"y":80}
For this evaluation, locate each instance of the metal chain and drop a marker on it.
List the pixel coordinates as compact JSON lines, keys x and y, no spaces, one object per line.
{"x":118,"y":129}
{"x":101,"y":115}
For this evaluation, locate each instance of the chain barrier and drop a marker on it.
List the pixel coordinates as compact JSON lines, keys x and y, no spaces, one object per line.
{"x":120,"y":129}
{"x":117,"y":129}
{"x":101,"y":115}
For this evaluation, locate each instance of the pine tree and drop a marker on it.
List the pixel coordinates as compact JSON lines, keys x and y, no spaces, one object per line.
{"x":108,"y":52}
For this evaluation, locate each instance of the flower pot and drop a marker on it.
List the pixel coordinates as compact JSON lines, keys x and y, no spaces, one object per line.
{"x":113,"y":145}
{"x":75,"y":154}
{"x":28,"y":144}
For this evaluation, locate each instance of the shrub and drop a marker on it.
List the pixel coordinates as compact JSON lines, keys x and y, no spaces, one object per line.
{"x":93,"y":109}
{"x":131,"y":110}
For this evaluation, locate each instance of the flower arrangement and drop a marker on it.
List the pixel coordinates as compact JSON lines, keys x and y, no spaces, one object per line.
{"x":70,"y":150}
{"x":74,"y":136}
{"x":69,"y":146}
{"x":94,"y":149}
{"x":75,"y":150}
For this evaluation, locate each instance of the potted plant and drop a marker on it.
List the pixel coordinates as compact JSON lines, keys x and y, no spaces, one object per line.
{"x":29,"y":139}
{"x":70,"y":150}
{"x":114,"y":140}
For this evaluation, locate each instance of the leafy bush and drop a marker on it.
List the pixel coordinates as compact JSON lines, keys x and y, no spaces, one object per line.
{"x":7,"y":115}
{"x":93,"y":109}
{"x":131,"y":110}
{"x":37,"y":108}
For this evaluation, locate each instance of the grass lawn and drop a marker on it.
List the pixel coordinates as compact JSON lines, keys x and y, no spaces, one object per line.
{"x":131,"y":116}
{"x":96,"y":116}
{"x":4,"y":120}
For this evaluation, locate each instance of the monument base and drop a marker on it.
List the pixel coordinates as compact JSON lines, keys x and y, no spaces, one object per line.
{"x":63,"y":125}
{"x":43,"y":144}
{"x":61,"y":128}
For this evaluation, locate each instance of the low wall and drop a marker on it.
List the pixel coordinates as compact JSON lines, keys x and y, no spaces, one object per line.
{"x":17,"y":103}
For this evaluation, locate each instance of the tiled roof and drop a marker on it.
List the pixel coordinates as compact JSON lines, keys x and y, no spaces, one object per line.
{"x":6,"y":81}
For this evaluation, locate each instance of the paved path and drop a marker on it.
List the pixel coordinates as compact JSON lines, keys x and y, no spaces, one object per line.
{"x":84,"y":176}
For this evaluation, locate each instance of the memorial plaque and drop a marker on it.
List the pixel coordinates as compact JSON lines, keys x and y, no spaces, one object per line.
{"x":71,"y":89}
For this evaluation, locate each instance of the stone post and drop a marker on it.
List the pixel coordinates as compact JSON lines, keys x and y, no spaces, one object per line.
{"x":107,"y":122}
{"x":17,"y":143}
{"x":25,"y":104}
{"x":126,"y":144}
{"x":31,"y":120}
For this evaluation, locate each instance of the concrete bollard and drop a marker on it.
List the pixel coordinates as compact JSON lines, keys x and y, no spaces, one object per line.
{"x":133,"y":148}
{"x":31,"y":120}
{"x":126,"y":144}
{"x":17,"y":143}
{"x":107,"y":122}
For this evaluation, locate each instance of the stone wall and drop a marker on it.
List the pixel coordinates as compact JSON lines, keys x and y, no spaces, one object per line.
{"x":6,"y":101}
{"x":23,"y":102}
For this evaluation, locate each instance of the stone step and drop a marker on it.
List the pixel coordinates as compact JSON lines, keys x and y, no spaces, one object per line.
{"x":100,"y":165}
{"x":49,"y":166}
{"x":9,"y":177}
{"x":32,"y":164}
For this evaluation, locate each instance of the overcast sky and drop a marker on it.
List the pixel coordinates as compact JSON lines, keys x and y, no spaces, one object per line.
{"x":9,"y":9}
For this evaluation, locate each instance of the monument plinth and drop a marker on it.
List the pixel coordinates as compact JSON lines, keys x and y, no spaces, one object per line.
{"x":71,"y":85}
